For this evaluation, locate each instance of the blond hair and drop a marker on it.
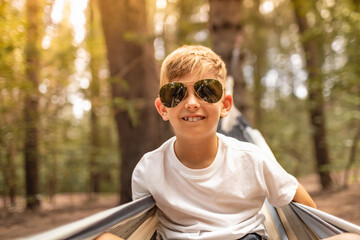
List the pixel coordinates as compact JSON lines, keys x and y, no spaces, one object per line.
{"x":197,"y":60}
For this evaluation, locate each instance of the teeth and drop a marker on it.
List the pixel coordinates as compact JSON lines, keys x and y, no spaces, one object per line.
{"x":192,"y":119}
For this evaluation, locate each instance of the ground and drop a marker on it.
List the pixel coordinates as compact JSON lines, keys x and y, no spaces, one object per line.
{"x":343,"y":203}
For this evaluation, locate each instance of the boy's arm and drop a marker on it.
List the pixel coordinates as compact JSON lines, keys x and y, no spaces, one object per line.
{"x":303,"y":197}
{"x":108,"y":236}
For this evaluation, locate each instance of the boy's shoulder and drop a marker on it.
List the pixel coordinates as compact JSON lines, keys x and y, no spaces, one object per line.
{"x":237,"y":145}
{"x":243,"y":150}
{"x":160,"y":151}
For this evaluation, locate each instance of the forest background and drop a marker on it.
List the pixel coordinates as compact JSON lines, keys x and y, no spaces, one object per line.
{"x":78,"y":80}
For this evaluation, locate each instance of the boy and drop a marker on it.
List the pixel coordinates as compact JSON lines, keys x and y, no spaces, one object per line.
{"x":206,"y":185}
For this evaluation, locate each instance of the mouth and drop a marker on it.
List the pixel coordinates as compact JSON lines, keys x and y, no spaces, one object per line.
{"x":192,"y":119}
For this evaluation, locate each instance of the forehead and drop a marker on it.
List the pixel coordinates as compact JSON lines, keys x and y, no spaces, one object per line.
{"x":191,"y":78}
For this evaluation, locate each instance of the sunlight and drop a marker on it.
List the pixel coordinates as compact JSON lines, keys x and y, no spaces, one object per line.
{"x":160,"y":20}
{"x":301,"y":92}
{"x":84,"y":83}
{"x":161,"y":4}
{"x":338,"y":45}
{"x":296,"y":61}
{"x":202,"y":16}
{"x":57,"y":11}
{"x":56,"y":16}
{"x":271,"y":78}
{"x":266,"y":7}
{"x":297,"y":65}
{"x":78,"y":19}
{"x":80,"y":80}
{"x":201,"y":36}
{"x":325,"y":14}
{"x":80,"y":105}
{"x":159,"y":23}
{"x":18,"y":4}
{"x":330,"y":3}
{"x":78,"y":22}
{"x":159,"y":48}
{"x":46,"y":41}
{"x":42,"y":88}
{"x":171,"y":19}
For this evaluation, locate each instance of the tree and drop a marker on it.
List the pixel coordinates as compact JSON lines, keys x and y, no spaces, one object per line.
{"x":94,"y":65}
{"x":186,"y":27}
{"x":8,"y":142}
{"x":312,"y":46}
{"x":346,"y":91}
{"x":225,"y":24}
{"x":134,"y":83}
{"x":31,"y":114}
{"x":11,"y":76}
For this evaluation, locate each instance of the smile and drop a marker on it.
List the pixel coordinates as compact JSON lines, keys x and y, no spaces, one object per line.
{"x":193,"y":119}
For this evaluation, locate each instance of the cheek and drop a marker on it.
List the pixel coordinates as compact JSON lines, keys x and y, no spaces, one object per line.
{"x":214,"y":112}
{"x":172,"y":115}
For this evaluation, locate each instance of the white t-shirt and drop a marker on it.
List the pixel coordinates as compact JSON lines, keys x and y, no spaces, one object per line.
{"x":222,"y":201}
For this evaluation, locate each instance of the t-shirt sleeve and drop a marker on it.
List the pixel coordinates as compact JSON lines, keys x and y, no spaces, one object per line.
{"x":280,"y":185}
{"x":138,"y":182}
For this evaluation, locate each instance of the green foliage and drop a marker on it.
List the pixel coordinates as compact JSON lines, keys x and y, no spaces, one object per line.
{"x":288,"y":135}
{"x":131,"y":106}
{"x":271,"y":45}
{"x":63,"y":140}
{"x":334,"y":25}
{"x":12,"y":42}
{"x":183,"y":22}
{"x":123,"y":84}
{"x":342,"y":81}
{"x":133,"y":37}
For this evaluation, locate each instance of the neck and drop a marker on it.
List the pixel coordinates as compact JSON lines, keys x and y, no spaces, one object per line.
{"x":196,"y":153}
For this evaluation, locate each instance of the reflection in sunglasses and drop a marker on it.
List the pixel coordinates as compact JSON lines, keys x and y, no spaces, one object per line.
{"x":209,"y":90}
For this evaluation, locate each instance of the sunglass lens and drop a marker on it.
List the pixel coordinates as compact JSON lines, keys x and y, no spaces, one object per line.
{"x":171,"y":94}
{"x":209,"y":90}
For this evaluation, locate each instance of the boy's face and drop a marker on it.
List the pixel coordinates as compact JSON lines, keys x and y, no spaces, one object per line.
{"x":194,"y":117}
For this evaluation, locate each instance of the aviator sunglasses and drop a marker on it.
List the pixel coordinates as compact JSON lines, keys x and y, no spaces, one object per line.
{"x":209,"y":90}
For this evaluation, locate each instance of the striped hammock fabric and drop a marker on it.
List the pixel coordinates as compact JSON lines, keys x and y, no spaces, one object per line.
{"x":137,"y":221}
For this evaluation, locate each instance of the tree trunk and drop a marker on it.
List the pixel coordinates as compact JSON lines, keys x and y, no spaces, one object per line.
{"x":7,"y":155}
{"x":313,"y":56}
{"x":353,"y":151}
{"x":241,"y":95}
{"x":356,"y":4}
{"x":31,"y":118}
{"x":3,"y":191}
{"x":52,"y":180}
{"x":226,"y":32}
{"x":134,"y":84}
{"x":259,"y":44}
{"x":10,"y":170}
{"x":224,"y":24}
{"x":94,"y":65}
{"x":259,"y":89}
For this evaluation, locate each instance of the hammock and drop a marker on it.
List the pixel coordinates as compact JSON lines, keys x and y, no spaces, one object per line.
{"x":137,"y":221}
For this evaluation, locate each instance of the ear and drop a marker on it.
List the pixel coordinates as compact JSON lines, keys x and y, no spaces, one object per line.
{"x":161,"y":109}
{"x":226,"y":105}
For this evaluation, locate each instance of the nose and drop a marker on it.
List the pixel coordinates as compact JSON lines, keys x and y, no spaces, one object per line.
{"x":191,"y":100}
